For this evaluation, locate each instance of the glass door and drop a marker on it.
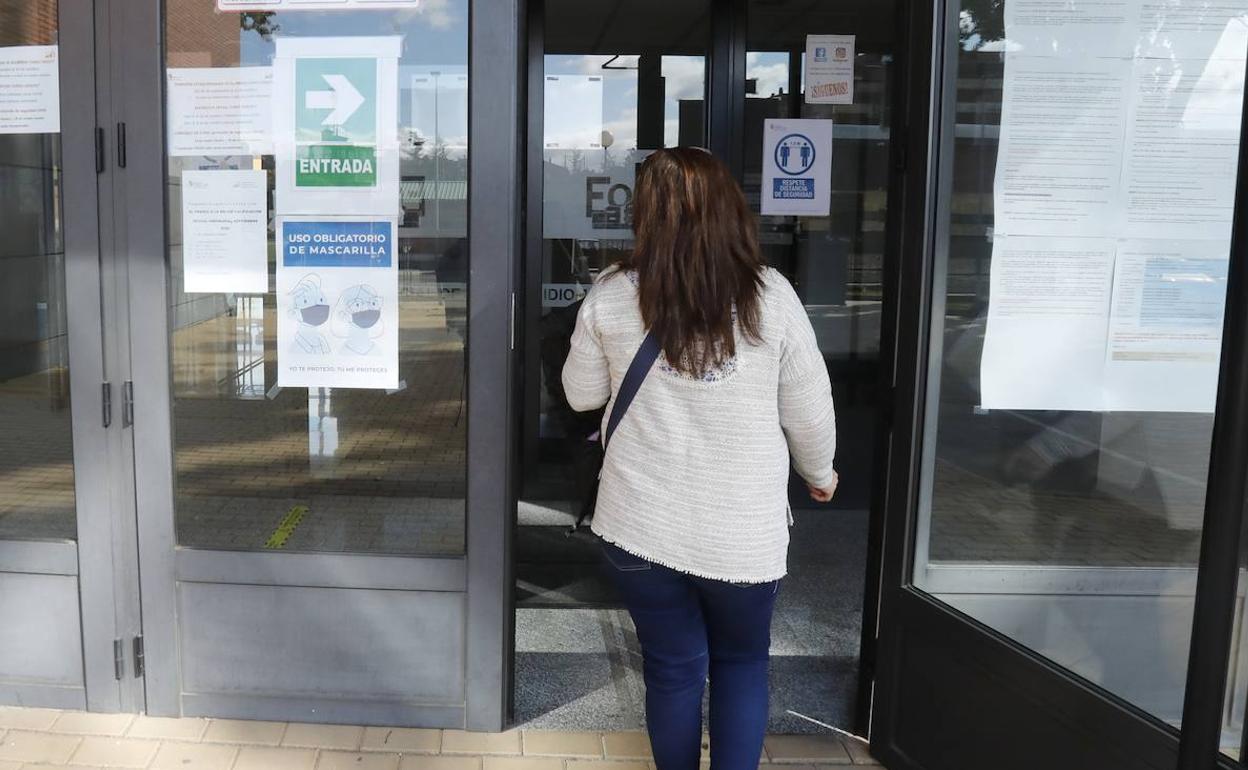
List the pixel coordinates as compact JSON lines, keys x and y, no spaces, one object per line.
{"x":1048,"y":502}
{"x":68,"y":632}
{"x":836,"y":261}
{"x":612,"y":85}
{"x":298,"y":271}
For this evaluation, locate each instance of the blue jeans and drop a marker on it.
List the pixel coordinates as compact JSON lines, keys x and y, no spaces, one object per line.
{"x":689,"y":627}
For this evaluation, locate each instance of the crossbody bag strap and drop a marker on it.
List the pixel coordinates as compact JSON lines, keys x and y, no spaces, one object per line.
{"x":647,"y":354}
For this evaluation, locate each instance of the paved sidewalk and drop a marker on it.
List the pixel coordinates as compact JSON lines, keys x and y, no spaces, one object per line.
{"x":41,"y":739}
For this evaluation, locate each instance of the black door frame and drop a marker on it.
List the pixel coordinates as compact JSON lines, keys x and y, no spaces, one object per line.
{"x":725,"y":97}
{"x":951,"y":692}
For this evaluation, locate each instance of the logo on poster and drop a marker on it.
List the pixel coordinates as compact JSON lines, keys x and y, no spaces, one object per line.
{"x":842,"y":53}
{"x":608,"y":206}
{"x":821,"y":54}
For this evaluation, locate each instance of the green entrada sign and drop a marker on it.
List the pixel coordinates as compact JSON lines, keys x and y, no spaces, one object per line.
{"x":336,"y":165}
{"x":336,"y":122}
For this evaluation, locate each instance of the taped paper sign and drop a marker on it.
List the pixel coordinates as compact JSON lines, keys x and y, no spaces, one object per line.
{"x":336,"y":125}
{"x":337,"y":294}
{"x":313,"y":5}
{"x":829,"y":69}
{"x":225,"y":238}
{"x":30,"y":97}
{"x":220,"y":110}
{"x":797,"y":167}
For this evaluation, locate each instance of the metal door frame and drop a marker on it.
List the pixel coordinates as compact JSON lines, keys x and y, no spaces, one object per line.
{"x":1019,"y":697}
{"x":96,"y":561}
{"x":495,"y":30}
{"x":725,"y":98}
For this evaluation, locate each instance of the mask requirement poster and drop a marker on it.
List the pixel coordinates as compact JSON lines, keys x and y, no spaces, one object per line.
{"x":337,"y":301}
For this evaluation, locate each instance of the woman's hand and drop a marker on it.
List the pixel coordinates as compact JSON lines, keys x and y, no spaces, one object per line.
{"x":824,"y":494}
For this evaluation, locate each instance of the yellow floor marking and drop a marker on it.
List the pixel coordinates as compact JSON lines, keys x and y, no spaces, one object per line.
{"x":287,"y":527}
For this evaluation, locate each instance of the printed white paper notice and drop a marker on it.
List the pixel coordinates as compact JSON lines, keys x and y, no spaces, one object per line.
{"x":1182,"y":148}
{"x":30,"y":98}
{"x":1070,"y":29}
{"x":1060,"y":154}
{"x":312,"y":5}
{"x":1047,"y":312}
{"x":1113,"y":201}
{"x":225,"y":242}
{"x":1193,"y":29}
{"x":1165,"y":325}
{"x":337,"y":300}
{"x":220,"y":110}
{"x":573,"y":108}
{"x":830,"y":69}
{"x":335,"y":121}
{"x":797,"y":167}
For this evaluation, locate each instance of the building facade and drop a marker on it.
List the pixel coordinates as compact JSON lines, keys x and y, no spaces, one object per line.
{"x":290,"y":283}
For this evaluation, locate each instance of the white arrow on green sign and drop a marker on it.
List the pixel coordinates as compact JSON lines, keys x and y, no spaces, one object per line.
{"x":336,"y":129}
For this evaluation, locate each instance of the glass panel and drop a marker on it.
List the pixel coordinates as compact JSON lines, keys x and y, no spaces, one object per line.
{"x":614,"y":91}
{"x":621,"y":80}
{"x":834,"y":259}
{"x":1077,"y":329}
{"x":36,"y":457}
{"x":318,"y":266}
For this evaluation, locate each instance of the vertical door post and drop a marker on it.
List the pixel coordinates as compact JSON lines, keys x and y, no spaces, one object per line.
{"x":496,"y":61}
{"x":1214,"y":613}
{"x":725,"y":88}
{"x":137,"y":46}
{"x":84,"y":218}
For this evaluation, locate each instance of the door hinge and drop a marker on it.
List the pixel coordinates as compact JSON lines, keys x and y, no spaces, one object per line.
{"x":127,"y":404}
{"x":107,"y":401}
{"x":121,"y":145}
{"x":138,"y":657}
{"x":119,"y":659}
{"x":99,"y":150}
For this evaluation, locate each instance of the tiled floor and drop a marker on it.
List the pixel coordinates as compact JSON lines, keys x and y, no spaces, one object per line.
{"x":41,"y":739}
{"x":578,"y":666}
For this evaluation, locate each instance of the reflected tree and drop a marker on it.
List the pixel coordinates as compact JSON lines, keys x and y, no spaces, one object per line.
{"x":981,"y":21}
{"x":262,"y":23}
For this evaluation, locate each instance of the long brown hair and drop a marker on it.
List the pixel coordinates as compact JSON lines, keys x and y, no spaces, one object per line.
{"x":696,"y":256}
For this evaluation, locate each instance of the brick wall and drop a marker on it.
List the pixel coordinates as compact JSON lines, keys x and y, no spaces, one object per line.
{"x":198,"y":35}
{"x":27,"y":22}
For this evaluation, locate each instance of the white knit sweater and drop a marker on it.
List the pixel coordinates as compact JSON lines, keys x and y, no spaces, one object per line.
{"x":696,"y":476}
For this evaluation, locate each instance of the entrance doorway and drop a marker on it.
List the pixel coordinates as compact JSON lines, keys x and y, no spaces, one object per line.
{"x":609,"y":84}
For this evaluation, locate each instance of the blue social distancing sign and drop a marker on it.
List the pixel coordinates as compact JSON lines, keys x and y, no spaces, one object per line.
{"x":797,"y":167}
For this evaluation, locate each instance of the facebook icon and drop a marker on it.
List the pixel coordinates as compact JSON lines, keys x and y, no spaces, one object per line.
{"x":821,"y":54}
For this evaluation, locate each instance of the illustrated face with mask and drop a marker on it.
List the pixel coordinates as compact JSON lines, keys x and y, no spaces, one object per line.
{"x":358,"y":315}
{"x":309,"y":305}
{"x":309,"y":301}
{"x":364,"y":307}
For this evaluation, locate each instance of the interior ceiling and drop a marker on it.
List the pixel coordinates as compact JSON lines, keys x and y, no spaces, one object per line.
{"x":684,"y":26}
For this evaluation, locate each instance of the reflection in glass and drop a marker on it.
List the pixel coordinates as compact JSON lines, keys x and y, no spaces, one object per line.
{"x":36,"y":455}
{"x":1075,"y":533}
{"x":604,"y":114}
{"x":835,"y":262}
{"x":321,"y":469}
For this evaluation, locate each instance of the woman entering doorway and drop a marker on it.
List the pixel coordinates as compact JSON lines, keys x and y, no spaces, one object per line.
{"x":730,"y":384}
